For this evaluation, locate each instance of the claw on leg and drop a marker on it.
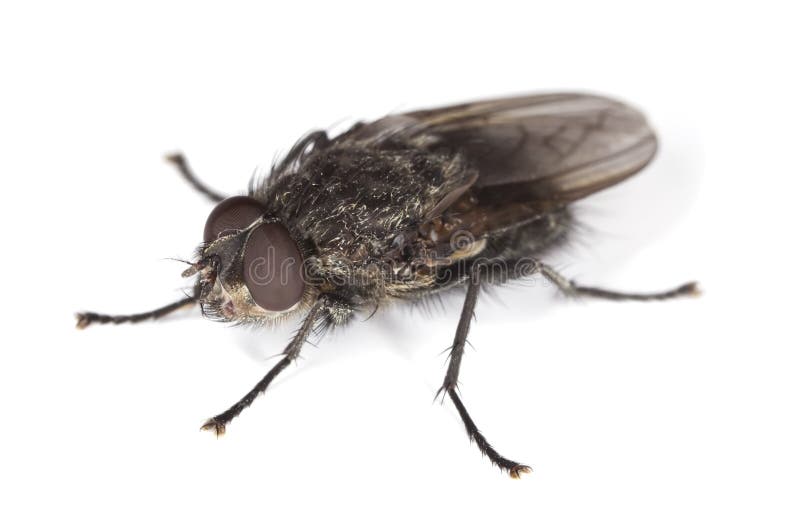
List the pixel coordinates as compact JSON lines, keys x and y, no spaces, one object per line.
{"x":215,"y":425}
{"x":691,"y":289}
{"x":83,"y":320}
{"x":516,"y":470}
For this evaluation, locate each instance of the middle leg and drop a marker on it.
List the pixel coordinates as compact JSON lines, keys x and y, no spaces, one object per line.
{"x":450,"y":384}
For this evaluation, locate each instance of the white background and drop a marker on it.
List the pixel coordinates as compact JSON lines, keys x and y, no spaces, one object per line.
{"x":682,"y":407}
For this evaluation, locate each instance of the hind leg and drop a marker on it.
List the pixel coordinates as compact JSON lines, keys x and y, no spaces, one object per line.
{"x":571,"y":288}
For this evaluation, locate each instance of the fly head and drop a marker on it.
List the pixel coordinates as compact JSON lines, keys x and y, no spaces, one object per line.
{"x":250,"y":268}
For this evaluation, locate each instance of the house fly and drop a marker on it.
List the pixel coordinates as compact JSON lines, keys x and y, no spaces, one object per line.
{"x":406,"y":207}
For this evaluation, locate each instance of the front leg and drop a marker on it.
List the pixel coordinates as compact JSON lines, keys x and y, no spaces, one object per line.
{"x":450,"y":384}
{"x":87,"y":318}
{"x":290,"y":353}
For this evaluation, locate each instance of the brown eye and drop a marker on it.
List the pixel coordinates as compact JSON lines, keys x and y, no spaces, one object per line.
{"x":231,"y":214}
{"x":273,"y":268}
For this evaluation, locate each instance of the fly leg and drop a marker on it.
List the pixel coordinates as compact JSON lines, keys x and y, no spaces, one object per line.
{"x":571,"y":288}
{"x":183,"y":167}
{"x":87,"y":317}
{"x":450,"y":384}
{"x":290,"y":353}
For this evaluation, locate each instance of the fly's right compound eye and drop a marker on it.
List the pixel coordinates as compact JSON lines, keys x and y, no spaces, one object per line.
{"x":273,"y":268}
{"x":231,"y":214}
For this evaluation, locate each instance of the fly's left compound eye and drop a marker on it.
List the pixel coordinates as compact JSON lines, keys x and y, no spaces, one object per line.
{"x":273,"y":268}
{"x":231,"y":214}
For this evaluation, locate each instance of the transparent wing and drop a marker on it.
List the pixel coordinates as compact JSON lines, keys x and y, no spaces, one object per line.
{"x":537,"y":149}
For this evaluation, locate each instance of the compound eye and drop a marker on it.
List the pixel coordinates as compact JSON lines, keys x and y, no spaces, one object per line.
{"x":273,"y":268}
{"x":230,"y":215}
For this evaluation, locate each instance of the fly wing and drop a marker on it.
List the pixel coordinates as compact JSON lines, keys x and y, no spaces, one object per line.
{"x":537,"y":149}
{"x":520,"y":158}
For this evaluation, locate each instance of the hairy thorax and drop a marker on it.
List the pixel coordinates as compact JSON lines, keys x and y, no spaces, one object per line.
{"x":365,"y":216}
